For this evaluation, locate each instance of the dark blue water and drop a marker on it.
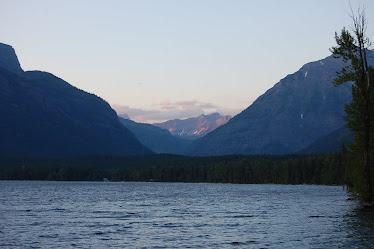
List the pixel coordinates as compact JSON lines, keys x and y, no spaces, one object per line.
{"x":179,"y":215}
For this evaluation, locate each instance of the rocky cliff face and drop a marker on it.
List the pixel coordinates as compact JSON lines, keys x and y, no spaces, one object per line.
{"x":288,"y":117}
{"x":42,"y":115}
{"x":194,"y":128}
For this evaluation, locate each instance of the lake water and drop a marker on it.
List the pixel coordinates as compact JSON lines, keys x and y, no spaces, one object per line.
{"x":179,"y":215}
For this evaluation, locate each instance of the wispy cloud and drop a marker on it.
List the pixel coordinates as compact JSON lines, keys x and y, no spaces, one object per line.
{"x":167,"y":110}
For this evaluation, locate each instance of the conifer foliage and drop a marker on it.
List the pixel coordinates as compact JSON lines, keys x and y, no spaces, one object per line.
{"x":352,"y":47}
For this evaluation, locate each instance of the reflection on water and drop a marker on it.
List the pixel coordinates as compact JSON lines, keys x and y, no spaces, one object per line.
{"x":178,"y":215}
{"x":361,"y":225}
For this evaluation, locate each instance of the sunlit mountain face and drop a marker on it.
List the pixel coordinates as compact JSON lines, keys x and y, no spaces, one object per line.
{"x":194,"y":128}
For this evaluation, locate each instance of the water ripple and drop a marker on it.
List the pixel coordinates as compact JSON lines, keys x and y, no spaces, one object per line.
{"x":178,"y":215}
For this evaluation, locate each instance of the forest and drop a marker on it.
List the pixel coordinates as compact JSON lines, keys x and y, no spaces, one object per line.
{"x":331,"y":169}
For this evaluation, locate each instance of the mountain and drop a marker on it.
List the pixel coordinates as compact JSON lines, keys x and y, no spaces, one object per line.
{"x":288,"y":117}
{"x":42,"y":115}
{"x":157,"y":139}
{"x":124,"y":116}
{"x":194,"y":128}
{"x":8,"y":59}
{"x":329,"y":143}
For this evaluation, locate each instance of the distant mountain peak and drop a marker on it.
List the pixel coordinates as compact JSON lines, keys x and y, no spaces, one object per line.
{"x":194,"y":128}
{"x":157,"y":139}
{"x":8,"y":59}
{"x":124,"y":116}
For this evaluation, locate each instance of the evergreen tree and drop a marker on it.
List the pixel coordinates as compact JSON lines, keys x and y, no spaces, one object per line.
{"x":352,"y":48}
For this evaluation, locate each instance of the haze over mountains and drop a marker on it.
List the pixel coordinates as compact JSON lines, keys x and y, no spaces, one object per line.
{"x":160,"y":139}
{"x":298,"y":110}
{"x":43,"y":115}
{"x":157,"y":139}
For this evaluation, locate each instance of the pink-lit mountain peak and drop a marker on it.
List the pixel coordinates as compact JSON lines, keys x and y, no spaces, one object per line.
{"x":194,"y":128}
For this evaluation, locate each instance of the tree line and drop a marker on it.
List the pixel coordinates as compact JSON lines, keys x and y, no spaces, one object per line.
{"x":353,"y":167}
{"x":266,"y":169}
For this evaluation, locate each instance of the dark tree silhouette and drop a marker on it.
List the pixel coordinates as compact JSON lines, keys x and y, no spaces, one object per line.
{"x":352,"y":48}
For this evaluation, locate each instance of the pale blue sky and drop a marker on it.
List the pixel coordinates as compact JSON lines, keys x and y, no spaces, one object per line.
{"x":165,"y":59}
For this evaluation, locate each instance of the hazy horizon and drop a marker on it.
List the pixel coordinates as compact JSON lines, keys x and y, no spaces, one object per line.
{"x":162,"y":60}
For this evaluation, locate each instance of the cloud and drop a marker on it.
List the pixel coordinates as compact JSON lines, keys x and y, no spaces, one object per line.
{"x":165,"y":102}
{"x":193,"y":104}
{"x":167,"y":110}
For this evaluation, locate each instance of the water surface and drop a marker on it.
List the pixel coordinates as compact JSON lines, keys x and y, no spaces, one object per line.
{"x":179,"y":215}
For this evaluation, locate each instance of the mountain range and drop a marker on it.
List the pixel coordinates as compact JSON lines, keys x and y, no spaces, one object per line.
{"x":43,"y":115}
{"x":157,"y":139}
{"x":298,"y":110}
{"x":194,"y":128}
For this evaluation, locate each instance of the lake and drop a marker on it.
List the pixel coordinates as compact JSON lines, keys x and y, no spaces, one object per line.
{"x":179,"y":215}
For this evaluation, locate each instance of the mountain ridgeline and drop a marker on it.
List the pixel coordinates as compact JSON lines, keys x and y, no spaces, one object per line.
{"x":9,"y":60}
{"x":194,"y":128}
{"x":42,"y":115}
{"x":330,"y":143}
{"x":157,"y":139}
{"x":289,"y":117}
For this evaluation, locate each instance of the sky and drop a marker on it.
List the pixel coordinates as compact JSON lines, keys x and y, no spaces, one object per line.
{"x":157,"y":60}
